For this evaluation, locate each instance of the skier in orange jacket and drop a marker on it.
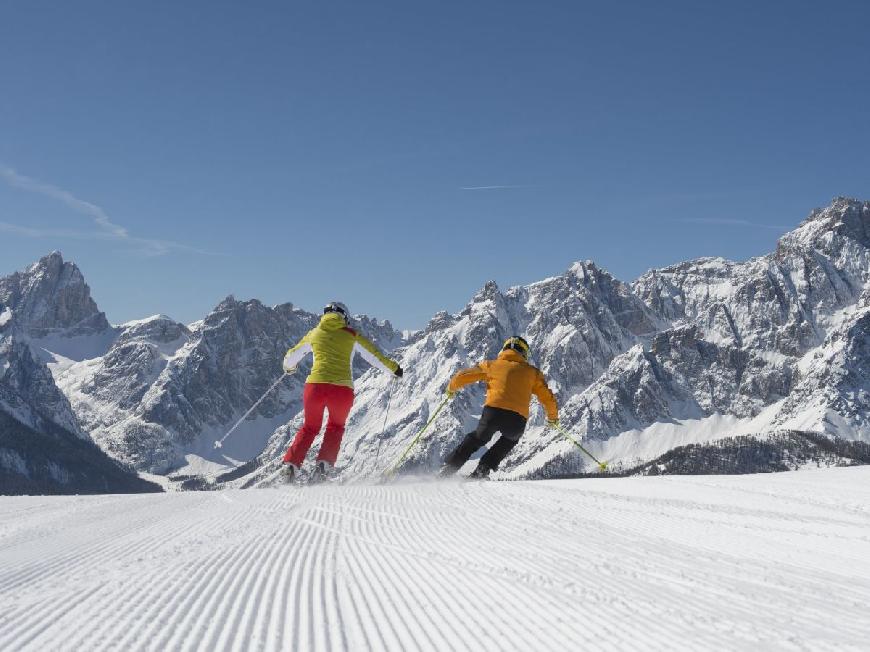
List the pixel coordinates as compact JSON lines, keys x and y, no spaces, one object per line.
{"x":510,"y":383}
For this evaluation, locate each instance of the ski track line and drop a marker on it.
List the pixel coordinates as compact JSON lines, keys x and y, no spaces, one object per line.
{"x":201,"y":619}
{"x":78,"y":561}
{"x":111,"y":602}
{"x":759,"y":533}
{"x":267,"y":625}
{"x":129,"y":551}
{"x":359,"y":559}
{"x":629,"y":556}
{"x":545,"y":571}
{"x":453,"y":590}
{"x":31,"y":521}
{"x":19,"y":535}
{"x":229,"y":600}
{"x":379,"y":570}
{"x":822,"y":583}
{"x":280,"y":613}
{"x":479,"y":566}
{"x":428,"y":525}
{"x":169,"y":592}
{"x":193,"y":609}
{"x":706,"y":564}
{"x":81,"y":555}
{"x":26,"y":636}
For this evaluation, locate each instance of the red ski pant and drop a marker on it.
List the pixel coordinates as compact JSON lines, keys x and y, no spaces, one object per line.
{"x":316,"y":398}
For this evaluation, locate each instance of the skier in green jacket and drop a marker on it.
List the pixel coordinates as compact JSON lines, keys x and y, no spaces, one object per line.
{"x":329,"y":386}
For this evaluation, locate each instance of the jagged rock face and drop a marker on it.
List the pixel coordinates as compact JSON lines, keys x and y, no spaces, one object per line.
{"x":235,"y":357}
{"x":50,"y":295}
{"x":834,"y":393}
{"x":135,"y":360}
{"x":579,"y":322}
{"x":28,"y":391}
{"x":780,"y":302}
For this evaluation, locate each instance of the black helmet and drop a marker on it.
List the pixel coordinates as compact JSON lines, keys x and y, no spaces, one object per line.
{"x":518,"y":344}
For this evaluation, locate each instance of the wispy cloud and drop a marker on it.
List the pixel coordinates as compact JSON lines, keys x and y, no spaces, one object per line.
{"x":106,"y":229}
{"x":490,"y":187}
{"x":730,"y":222}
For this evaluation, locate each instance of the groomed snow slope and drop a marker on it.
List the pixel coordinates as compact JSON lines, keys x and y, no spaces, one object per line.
{"x":704,"y":562}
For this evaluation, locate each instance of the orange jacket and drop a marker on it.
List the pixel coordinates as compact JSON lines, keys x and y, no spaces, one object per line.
{"x":510,"y":383}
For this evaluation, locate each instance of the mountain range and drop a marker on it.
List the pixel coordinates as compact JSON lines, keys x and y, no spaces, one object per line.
{"x":683,"y":356}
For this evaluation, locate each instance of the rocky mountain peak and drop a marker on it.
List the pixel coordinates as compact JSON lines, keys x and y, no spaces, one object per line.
{"x":50,"y":295}
{"x":843,"y":218}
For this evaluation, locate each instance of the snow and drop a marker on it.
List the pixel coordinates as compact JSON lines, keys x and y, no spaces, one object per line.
{"x":776,"y":561}
{"x":61,"y":351}
{"x":662,"y":436}
{"x":5,"y":316}
{"x":146,"y":320}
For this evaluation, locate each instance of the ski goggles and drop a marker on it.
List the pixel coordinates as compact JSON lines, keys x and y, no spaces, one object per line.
{"x":334,"y":308}
{"x":519,"y":345}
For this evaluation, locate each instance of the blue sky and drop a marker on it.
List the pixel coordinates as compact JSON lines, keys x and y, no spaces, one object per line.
{"x":396,"y":155}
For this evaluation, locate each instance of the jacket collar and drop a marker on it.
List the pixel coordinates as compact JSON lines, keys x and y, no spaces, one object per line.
{"x":512,"y":356}
{"x":332,"y":321}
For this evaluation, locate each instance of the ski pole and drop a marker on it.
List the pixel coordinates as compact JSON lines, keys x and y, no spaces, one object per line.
{"x":392,"y":469}
{"x":218,"y":443}
{"x":602,"y":466}
{"x":386,"y":416}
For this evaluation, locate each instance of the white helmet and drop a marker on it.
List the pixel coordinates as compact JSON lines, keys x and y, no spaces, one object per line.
{"x":339,"y":307}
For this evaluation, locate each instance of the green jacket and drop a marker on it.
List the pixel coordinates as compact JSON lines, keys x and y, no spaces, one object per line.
{"x":334,"y":345}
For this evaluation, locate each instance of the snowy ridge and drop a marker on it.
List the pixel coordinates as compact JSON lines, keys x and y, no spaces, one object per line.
{"x":713,"y":563}
{"x":701,"y":342}
{"x":685,"y":354}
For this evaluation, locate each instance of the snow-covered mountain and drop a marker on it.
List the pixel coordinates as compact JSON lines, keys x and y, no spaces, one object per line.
{"x":156,"y":393}
{"x":686,"y":354}
{"x":43,"y":447}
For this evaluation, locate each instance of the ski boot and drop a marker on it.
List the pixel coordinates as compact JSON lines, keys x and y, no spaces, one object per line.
{"x":321,"y":473}
{"x":480,"y":473}
{"x":289,"y":471}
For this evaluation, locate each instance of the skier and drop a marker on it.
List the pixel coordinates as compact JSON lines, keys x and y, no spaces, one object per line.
{"x":510,"y":383}
{"x":329,"y":386}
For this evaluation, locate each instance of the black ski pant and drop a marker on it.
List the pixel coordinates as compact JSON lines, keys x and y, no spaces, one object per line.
{"x":507,"y":422}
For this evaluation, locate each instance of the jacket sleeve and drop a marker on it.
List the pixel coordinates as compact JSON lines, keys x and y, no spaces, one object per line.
{"x":467,"y":376}
{"x":546,"y":397}
{"x":373,"y":355}
{"x":294,"y":356}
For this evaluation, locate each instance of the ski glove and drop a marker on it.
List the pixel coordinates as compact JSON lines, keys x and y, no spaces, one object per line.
{"x":553,"y":423}
{"x":398,"y":372}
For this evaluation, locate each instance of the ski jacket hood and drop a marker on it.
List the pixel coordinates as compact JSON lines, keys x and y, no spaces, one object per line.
{"x":513,"y":356}
{"x":334,"y":344}
{"x":510,"y":384}
{"x":332,"y":321}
